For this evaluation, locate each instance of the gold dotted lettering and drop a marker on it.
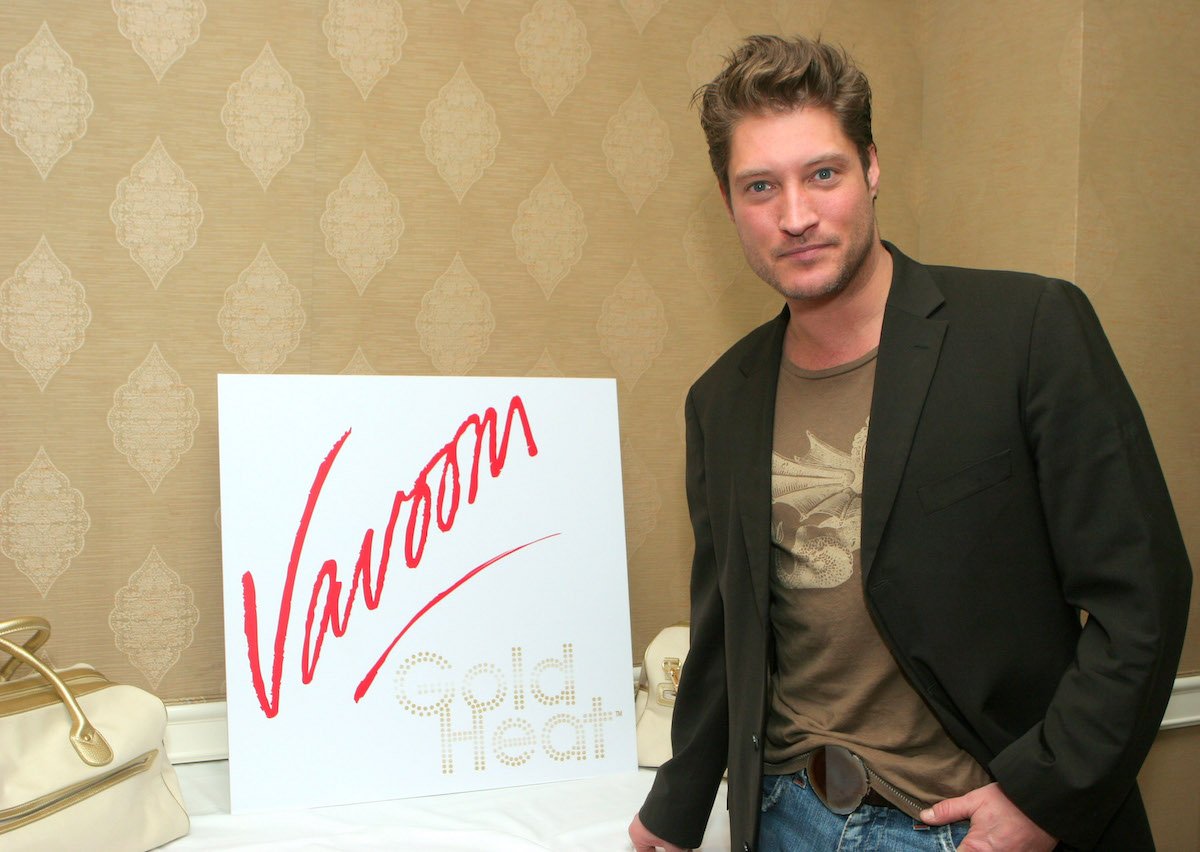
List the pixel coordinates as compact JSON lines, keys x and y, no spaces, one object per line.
{"x":576,"y":751}
{"x":500,"y":692}
{"x":503,"y":743}
{"x":404,"y":692}
{"x":518,"y":669}
{"x":566,"y":666}
{"x":596,"y":718}
{"x":474,"y":735}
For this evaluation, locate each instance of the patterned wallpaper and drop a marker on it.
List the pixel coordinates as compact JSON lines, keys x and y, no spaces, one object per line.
{"x":493,"y":187}
{"x":393,"y":186}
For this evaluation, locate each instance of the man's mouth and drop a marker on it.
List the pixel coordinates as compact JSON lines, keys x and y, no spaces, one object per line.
{"x":807,"y":251}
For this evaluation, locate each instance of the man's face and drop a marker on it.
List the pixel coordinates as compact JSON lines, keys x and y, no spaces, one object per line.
{"x":800,"y":201}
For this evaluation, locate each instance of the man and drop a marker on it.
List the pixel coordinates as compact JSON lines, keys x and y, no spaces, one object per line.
{"x":938,"y":590}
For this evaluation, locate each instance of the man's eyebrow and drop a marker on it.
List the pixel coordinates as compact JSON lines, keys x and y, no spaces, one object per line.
{"x":751,"y":173}
{"x":836,"y":157}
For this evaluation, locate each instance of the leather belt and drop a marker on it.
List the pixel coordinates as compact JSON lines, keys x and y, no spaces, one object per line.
{"x":842,"y":781}
{"x":873,"y":798}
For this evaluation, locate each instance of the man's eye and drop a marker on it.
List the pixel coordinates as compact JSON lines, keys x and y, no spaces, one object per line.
{"x":824,"y":174}
{"x":760,"y":186}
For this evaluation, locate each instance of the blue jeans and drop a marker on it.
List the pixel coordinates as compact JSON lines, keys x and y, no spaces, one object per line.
{"x":794,"y":820}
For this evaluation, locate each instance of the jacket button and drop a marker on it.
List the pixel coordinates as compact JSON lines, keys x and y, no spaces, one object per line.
{"x":745,"y":847}
{"x":754,"y":741}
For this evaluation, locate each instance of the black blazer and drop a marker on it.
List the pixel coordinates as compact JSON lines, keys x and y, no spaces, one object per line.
{"x":1009,"y":484}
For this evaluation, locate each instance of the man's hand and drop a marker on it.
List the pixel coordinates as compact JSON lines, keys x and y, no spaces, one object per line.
{"x":644,"y":841}
{"x":997,"y":825}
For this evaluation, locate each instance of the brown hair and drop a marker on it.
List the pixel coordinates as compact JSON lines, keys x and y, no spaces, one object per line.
{"x":769,"y":73}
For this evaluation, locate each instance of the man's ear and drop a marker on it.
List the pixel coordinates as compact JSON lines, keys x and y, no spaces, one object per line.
{"x":872,"y":171}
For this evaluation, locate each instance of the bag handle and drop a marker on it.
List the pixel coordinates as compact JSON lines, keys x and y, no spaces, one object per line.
{"x":41,"y":632}
{"x":88,"y":743}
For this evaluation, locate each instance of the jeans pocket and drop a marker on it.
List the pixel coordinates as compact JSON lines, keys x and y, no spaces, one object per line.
{"x":772,"y":790}
{"x":958,"y":832}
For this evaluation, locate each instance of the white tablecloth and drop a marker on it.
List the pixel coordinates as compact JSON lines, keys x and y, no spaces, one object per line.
{"x":580,"y":816}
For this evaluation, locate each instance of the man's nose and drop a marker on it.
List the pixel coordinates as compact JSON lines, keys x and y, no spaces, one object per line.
{"x":797,"y":214}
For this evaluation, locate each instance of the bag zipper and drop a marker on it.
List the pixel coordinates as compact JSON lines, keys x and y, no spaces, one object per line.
{"x":51,"y":803}
{"x":38,"y":693}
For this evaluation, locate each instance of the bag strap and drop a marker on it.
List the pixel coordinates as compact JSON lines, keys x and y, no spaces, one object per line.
{"x":41,"y":632}
{"x":88,"y":743}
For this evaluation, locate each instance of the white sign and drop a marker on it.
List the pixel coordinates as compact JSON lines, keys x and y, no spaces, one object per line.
{"x":425,"y":587}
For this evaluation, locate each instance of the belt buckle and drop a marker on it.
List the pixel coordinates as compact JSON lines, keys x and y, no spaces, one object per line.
{"x":839,"y":778}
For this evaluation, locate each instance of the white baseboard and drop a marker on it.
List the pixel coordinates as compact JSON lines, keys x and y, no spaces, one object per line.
{"x":1184,"y":707}
{"x":198,"y":731}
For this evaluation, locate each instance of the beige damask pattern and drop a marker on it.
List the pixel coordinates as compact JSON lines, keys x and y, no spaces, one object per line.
{"x":154,"y":618}
{"x":710,"y":247}
{"x":365,"y":37}
{"x":642,"y":11}
{"x":700,"y":365}
{"x":359,"y":365}
{"x":104,"y":79}
{"x":554,"y":50}
{"x":455,"y":321}
{"x":642,"y":502}
{"x":264,"y":117}
{"x":460,"y":133}
{"x":362,"y":224}
{"x":549,"y":232}
{"x":637,"y":146}
{"x":632,"y":326}
{"x":157,"y":213}
{"x":43,"y":314}
{"x":42,"y":522}
{"x":261,"y":318}
{"x":161,"y":31}
{"x":545,"y":366}
{"x":710,"y":47}
{"x":153,"y":418}
{"x":44,"y":101}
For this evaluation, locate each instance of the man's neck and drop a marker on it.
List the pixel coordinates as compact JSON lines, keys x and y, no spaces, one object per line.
{"x":829,"y":332}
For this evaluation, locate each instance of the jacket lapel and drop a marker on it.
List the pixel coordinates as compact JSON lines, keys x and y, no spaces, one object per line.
{"x":908,"y":354}
{"x":753,"y":419}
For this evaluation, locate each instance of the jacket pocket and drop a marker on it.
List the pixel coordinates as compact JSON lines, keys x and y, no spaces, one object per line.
{"x":970,"y":480}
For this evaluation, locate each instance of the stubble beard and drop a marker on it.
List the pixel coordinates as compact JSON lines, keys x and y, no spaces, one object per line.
{"x":858,"y":249}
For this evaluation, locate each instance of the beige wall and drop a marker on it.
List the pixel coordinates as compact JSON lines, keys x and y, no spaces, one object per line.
{"x":999,"y":134}
{"x":1137,"y":256}
{"x":1061,"y":148}
{"x":1138,"y":219}
{"x":565,"y":214}
{"x":1168,"y":783}
{"x":531,"y":169}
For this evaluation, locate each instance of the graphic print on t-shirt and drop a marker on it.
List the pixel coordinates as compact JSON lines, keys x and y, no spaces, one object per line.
{"x":823,"y":488}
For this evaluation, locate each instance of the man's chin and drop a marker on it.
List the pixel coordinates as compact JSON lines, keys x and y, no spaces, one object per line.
{"x":812,"y":291}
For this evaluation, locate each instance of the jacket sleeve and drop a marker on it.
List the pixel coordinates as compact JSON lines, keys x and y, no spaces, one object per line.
{"x":681,"y":799}
{"x":1121,"y":560}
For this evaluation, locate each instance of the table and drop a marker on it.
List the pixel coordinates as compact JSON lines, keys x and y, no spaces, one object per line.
{"x":590,"y":815}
